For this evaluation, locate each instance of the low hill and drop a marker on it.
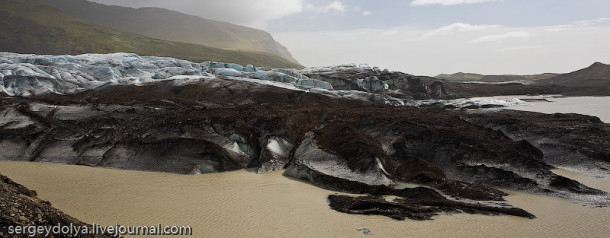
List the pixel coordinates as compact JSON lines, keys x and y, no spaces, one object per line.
{"x":175,"y":26}
{"x":597,"y":72}
{"x":508,"y":77}
{"x":493,"y":78}
{"x":33,"y":26}
{"x":460,"y":76}
{"x":593,"y":80}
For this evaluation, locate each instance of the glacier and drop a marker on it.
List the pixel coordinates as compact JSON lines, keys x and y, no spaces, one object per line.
{"x":26,"y":75}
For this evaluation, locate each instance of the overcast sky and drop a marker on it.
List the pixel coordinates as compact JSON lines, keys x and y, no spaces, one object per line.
{"x":424,"y":37}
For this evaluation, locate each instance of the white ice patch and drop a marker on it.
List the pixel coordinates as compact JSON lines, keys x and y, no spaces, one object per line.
{"x":234,"y":147}
{"x":190,"y":77}
{"x":274,"y":146}
{"x":337,"y":67}
{"x":270,"y":83}
{"x":380,"y":165}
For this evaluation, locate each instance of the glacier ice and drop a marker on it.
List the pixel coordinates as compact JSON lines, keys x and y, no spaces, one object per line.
{"x":312,"y":83}
{"x":272,"y":76}
{"x":227,"y":72}
{"x":28,"y":74}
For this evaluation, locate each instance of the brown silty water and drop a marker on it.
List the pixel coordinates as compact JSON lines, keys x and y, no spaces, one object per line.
{"x":246,"y":204}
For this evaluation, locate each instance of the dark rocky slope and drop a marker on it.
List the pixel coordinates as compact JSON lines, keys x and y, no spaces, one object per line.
{"x":19,"y":206}
{"x":374,"y":80}
{"x":437,"y":160}
{"x":591,"y":81}
{"x":557,"y":136}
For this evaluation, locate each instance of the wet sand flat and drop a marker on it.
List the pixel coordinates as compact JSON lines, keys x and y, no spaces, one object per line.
{"x":245,"y":204}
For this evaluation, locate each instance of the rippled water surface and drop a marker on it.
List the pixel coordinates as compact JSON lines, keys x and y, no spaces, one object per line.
{"x":245,"y":204}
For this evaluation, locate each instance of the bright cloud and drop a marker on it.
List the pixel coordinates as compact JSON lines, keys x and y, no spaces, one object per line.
{"x":336,"y":6}
{"x":520,"y":48}
{"x":451,"y":29}
{"x":590,"y":22}
{"x":502,"y":37}
{"x":332,"y":7}
{"x":448,"y":2}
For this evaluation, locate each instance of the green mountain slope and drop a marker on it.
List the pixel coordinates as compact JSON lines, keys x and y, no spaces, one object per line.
{"x":33,"y":26}
{"x":460,"y":76}
{"x":175,"y":26}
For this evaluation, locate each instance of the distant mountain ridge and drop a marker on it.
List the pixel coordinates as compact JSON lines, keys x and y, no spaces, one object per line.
{"x":175,"y":26}
{"x":593,"y":80}
{"x":596,"y":72}
{"x":34,"y":26}
{"x":460,"y":76}
{"x":494,"y":78}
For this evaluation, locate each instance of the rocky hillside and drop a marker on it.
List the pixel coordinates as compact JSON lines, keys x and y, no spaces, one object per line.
{"x":344,"y":128}
{"x":593,"y":80}
{"x":19,"y":206}
{"x":460,"y":76}
{"x":174,"y":26}
{"x":33,"y":26}
{"x":517,"y":78}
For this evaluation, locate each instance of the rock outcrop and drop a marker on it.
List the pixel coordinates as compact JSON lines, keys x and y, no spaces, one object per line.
{"x":571,"y":141}
{"x":20,"y":206}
